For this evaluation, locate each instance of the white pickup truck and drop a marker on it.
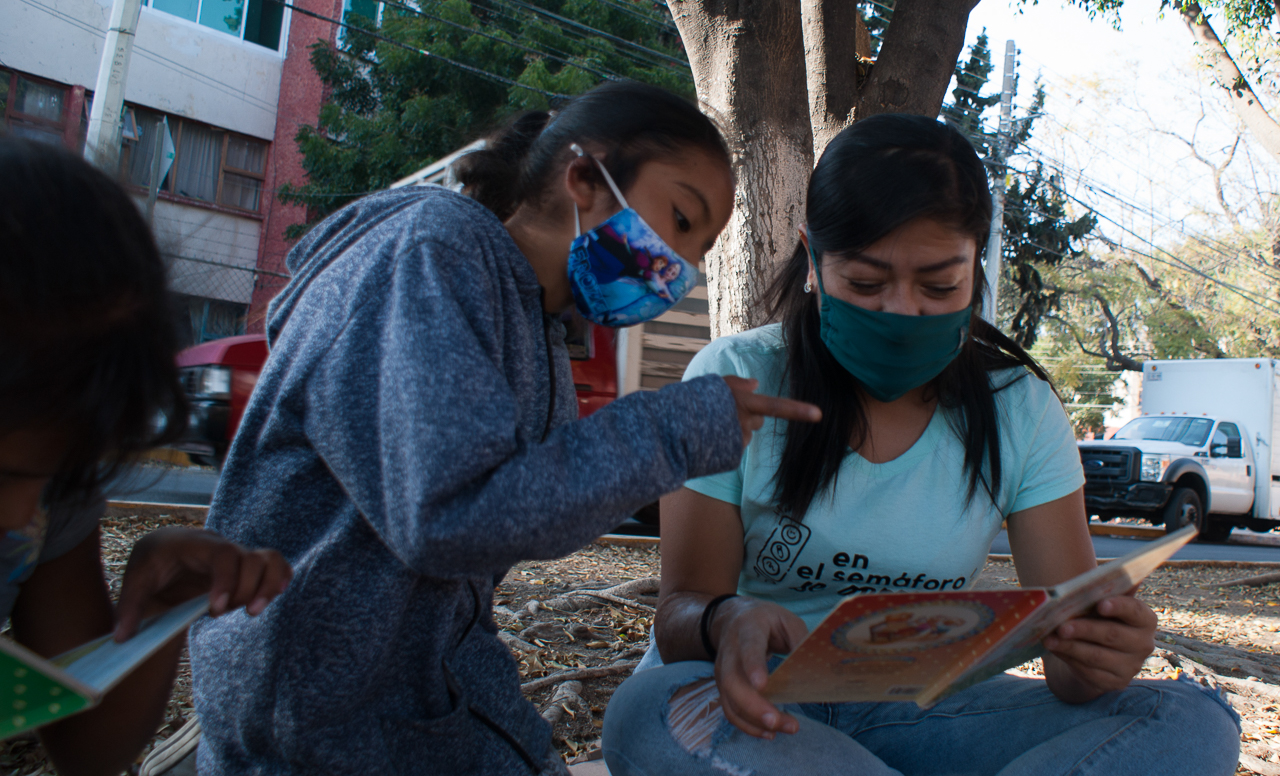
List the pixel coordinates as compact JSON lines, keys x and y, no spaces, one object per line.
{"x":1201,"y":452}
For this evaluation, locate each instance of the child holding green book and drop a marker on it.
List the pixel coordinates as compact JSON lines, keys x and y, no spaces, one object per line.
{"x":88,"y":382}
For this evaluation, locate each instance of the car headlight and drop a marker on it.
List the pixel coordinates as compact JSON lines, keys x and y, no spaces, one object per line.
{"x":1153,"y":467}
{"x":212,"y":382}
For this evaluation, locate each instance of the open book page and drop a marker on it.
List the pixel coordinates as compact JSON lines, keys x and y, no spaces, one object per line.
{"x":102,"y":663}
{"x":892,"y":646}
{"x":1080,"y":594}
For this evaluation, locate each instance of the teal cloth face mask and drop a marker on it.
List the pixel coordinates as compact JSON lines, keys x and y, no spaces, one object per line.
{"x":890,"y":354}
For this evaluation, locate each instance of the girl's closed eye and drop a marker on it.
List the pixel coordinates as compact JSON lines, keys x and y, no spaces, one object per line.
{"x":866,"y":286}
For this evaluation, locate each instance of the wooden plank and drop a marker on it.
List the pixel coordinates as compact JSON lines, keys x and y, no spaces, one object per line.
{"x":683,"y":344}
{"x":698,"y":292}
{"x":684,"y":319}
{"x":662,"y":369}
{"x":1141,"y":531}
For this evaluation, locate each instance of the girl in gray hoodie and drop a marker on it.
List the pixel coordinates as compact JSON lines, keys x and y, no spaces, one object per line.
{"x":413,"y":435}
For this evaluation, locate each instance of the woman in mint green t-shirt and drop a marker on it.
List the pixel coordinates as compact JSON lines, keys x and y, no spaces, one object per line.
{"x":936,"y":429}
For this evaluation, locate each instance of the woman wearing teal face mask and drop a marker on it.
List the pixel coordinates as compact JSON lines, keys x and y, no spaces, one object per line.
{"x":936,"y":428}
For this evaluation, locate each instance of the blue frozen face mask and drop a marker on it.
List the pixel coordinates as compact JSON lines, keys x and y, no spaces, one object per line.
{"x":621,"y":272}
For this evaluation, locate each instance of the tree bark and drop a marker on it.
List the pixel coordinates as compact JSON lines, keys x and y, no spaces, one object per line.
{"x":831,"y":66}
{"x":917,"y":58}
{"x":783,"y":77}
{"x":747,"y":58}
{"x":1244,"y":100}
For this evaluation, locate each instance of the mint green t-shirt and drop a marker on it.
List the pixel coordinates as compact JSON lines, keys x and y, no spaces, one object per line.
{"x":890,"y":527}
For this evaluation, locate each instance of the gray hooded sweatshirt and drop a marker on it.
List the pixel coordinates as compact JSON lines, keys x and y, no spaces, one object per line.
{"x":412,"y":436}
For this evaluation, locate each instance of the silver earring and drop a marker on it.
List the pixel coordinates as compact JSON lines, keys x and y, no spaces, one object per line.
{"x":808,"y":287}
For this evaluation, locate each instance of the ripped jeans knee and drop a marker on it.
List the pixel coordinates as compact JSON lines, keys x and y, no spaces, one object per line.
{"x":694,"y":714}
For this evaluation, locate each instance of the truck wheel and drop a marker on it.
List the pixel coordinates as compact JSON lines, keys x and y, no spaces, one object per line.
{"x":1183,"y":509}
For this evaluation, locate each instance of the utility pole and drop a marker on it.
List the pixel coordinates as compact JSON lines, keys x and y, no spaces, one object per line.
{"x":102,"y":144}
{"x":995,"y":242}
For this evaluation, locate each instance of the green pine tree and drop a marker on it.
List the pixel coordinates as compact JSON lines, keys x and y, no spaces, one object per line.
{"x":1038,"y":232}
{"x":425,"y":79}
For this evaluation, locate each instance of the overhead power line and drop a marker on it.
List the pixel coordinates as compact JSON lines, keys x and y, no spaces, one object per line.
{"x":460,"y":65}
{"x":586,"y":36}
{"x":499,"y":39}
{"x":597,"y":33}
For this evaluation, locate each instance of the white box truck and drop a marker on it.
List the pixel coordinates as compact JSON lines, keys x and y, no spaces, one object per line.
{"x":1201,"y":452}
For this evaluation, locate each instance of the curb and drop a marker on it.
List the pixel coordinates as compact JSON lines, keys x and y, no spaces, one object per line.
{"x":1184,"y":564}
{"x":197,"y":514}
{"x":191,"y":513}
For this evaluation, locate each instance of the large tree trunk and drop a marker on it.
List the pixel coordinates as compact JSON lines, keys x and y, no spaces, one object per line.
{"x":1244,"y":101}
{"x":783,"y":77}
{"x":831,"y":66}
{"x":747,"y":58}
{"x":917,"y":58}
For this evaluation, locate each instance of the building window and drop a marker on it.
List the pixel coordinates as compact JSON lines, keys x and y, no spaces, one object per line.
{"x":259,"y":22}
{"x":210,"y":164}
{"x":369,"y":9}
{"x":33,"y":108}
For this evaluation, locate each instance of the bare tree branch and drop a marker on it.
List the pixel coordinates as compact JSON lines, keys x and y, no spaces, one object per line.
{"x":1244,"y":100}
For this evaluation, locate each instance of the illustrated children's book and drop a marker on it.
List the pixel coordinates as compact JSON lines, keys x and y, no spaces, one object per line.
{"x":924,"y":646}
{"x":35,"y":691}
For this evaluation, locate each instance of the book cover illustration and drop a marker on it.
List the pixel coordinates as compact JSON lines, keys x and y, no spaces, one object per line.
{"x":924,"y":646}
{"x":892,"y":646}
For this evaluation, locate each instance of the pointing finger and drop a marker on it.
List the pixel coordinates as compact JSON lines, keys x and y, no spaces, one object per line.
{"x":786,"y":409}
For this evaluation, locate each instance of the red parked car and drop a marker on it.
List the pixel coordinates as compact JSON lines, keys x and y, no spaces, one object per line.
{"x":220,"y":375}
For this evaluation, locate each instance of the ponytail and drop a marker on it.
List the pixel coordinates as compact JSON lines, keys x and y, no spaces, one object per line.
{"x":490,"y":175}
{"x":635,"y":122}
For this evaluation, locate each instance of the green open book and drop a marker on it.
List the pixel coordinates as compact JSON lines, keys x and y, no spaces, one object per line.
{"x":924,"y":646}
{"x":35,"y":691}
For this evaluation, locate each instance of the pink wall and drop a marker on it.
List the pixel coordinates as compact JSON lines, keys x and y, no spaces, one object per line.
{"x":301,"y":94}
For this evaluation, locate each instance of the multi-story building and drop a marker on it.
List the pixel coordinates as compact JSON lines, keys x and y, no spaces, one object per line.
{"x":230,"y":82}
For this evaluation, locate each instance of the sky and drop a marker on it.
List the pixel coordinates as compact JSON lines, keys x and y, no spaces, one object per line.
{"x":1113,"y":95}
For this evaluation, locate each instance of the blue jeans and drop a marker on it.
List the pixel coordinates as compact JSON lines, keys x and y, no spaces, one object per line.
{"x":1007,"y":725}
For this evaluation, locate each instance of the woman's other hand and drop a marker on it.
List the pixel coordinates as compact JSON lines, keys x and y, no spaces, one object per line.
{"x":745,"y":632}
{"x":172,"y":565}
{"x":1091,"y":655}
{"x":1105,"y":650}
{"x":753,"y":408}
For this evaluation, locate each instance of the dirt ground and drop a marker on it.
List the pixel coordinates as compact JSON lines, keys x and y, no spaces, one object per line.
{"x":575,"y":647}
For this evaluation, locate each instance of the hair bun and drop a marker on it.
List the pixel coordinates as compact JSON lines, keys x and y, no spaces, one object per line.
{"x":491,"y":175}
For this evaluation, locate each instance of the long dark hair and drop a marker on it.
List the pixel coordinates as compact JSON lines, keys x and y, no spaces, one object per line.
{"x":872,"y":178}
{"x":87,"y":325}
{"x":636,"y":122}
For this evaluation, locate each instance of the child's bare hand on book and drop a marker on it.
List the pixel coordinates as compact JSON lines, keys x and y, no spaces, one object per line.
{"x":749,"y":630}
{"x":172,"y":565}
{"x":1105,"y":650}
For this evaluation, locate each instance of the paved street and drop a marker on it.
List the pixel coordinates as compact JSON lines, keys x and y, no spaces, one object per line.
{"x":158,"y":485}
{"x":1115,"y":547}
